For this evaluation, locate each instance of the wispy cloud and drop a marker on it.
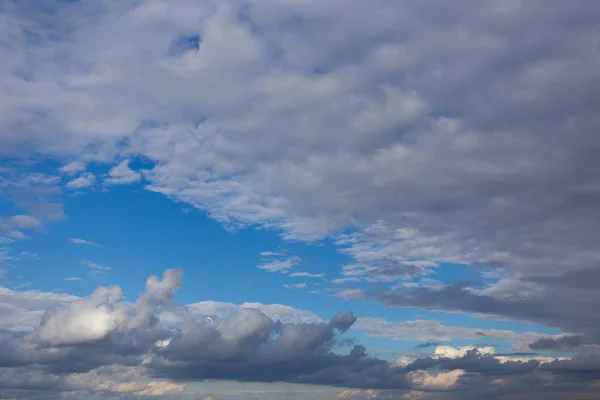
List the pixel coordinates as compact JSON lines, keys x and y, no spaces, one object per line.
{"x":280,"y":265}
{"x":83,"y":241}
{"x":81,"y":182}
{"x":95,"y":266}
{"x":352,"y":294}
{"x":73,"y":278}
{"x":122,"y":174}
{"x":23,"y":285}
{"x":306,"y":275}
{"x":295,"y":286}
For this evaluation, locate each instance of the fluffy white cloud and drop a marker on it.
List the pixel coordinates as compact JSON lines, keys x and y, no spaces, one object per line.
{"x":121,"y":174}
{"x":82,"y":181}
{"x":93,"y":318}
{"x":442,"y":380}
{"x":25,"y":221}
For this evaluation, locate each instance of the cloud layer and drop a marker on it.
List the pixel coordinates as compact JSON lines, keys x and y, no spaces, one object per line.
{"x":415,"y":134}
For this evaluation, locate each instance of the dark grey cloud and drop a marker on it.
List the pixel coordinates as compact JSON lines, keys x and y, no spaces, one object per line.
{"x":567,"y":342}
{"x":426,"y":345}
{"x":247,"y":346}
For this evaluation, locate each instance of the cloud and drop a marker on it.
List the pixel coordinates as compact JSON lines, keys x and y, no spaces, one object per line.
{"x":72,"y":168}
{"x":416,"y":134}
{"x":25,"y":221}
{"x":426,"y":345}
{"x":83,"y":241}
{"x":73,"y":278}
{"x":102,"y":343}
{"x":306,"y":275}
{"x":352,"y":294}
{"x":95,"y":317}
{"x":434,"y":330}
{"x":81,"y":182}
{"x":95,"y":266}
{"x":443,"y":380}
{"x":121,"y":174}
{"x":295,"y":286}
{"x":280,"y":265}
{"x":276,"y":312}
{"x":563,"y":342}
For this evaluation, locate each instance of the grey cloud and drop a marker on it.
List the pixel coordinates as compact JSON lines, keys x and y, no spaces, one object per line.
{"x":426,"y":345}
{"x":462,"y":137}
{"x":544,"y":304}
{"x":566,"y":342}
{"x":245,"y":346}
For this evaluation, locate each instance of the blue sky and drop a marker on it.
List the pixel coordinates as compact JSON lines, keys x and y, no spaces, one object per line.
{"x":264,"y":199}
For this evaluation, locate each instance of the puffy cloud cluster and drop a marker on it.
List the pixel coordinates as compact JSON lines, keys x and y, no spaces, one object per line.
{"x":102,"y":345}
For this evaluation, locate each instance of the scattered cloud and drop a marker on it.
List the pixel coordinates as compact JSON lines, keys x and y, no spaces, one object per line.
{"x":95,"y":266}
{"x":352,"y":294}
{"x":306,"y":275}
{"x":83,"y":241}
{"x":295,"y":286}
{"x":72,"y":168}
{"x":121,"y":174}
{"x":25,"y":221}
{"x":280,"y":265}
{"x":82,"y":181}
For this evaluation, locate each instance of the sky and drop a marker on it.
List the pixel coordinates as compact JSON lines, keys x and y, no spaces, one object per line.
{"x":328,"y":200}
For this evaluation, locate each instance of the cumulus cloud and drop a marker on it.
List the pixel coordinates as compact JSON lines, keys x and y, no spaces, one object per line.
{"x":81,"y":345}
{"x":93,"y":318}
{"x":82,"y":181}
{"x":72,"y":168}
{"x":276,"y":312}
{"x":122,"y":174}
{"x":25,"y":221}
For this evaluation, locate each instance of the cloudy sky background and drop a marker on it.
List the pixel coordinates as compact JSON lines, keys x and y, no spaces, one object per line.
{"x":299,"y":199}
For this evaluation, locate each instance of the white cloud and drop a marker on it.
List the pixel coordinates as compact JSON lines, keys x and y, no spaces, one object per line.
{"x":72,"y":168}
{"x":434,"y":330}
{"x":95,"y":266}
{"x":25,"y":221}
{"x":283,"y":265}
{"x":83,"y":241}
{"x":352,"y":294}
{"x":22,"y":310}
{"x":94,"y":317}
{"x":306,"y":275}
{"x":440,"y":381}
{"x":73,"y":278}
{"x":16,"y":235}
{"x":81,"y":182}
{"x":276,"y":312}
{"x":121,"y":174}
{"x":338,"y":281}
